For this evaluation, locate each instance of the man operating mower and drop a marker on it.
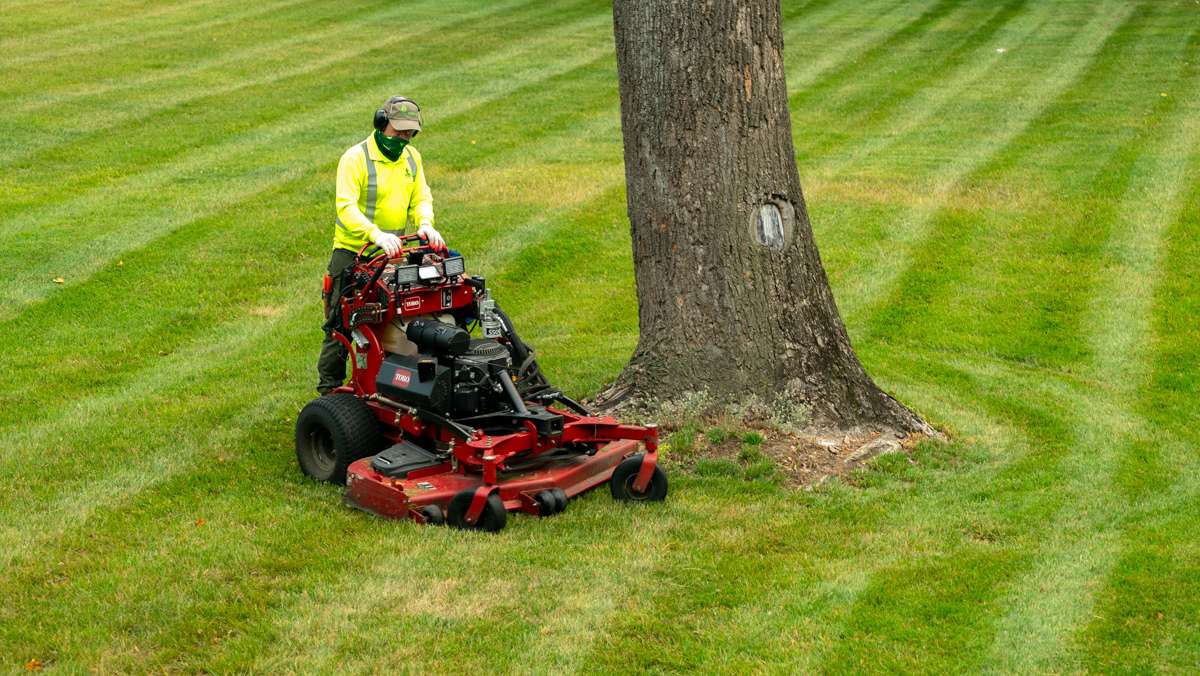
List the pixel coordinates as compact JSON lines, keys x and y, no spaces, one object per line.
{"x":380,"y":189}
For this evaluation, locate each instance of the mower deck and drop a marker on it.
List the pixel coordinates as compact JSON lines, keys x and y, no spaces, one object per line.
{"x":372,"y":492}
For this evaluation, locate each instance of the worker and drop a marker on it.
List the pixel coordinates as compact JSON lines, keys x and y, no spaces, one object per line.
{"x":381,"y":188}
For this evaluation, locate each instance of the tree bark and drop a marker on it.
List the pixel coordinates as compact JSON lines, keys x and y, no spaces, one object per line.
{"x":732,"y":296}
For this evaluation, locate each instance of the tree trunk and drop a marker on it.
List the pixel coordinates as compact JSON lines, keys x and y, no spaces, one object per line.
{"x":732,"y":296}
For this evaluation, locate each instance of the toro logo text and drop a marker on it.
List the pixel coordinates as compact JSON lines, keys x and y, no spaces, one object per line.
{"x":402,"y":378}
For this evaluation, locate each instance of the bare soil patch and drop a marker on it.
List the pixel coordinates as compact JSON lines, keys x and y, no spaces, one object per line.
{"x":802,"y":461}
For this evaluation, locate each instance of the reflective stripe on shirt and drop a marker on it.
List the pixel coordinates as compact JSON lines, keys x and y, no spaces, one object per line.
{"x":372,"y":189}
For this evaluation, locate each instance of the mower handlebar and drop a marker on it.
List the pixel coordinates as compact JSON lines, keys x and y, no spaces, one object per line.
{"x":403,"y":252}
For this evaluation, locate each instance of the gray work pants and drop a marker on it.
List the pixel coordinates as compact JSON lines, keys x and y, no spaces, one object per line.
{"x":331,"y":365}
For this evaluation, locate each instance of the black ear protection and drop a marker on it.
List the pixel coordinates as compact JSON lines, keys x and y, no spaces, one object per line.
{"x":381,"y":118}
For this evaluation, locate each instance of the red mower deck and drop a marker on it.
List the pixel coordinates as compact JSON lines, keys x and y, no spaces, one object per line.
{"x":377,"y":494}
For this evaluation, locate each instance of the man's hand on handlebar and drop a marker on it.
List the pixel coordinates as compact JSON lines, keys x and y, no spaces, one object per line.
{"x":389,"y":243}
{"x":431,"y":236}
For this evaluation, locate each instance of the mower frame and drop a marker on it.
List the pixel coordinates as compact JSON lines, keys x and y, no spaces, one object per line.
{"x":521,"y":465}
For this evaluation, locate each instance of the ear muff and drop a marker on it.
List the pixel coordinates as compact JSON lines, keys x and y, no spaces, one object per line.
{"x":381,"y":118}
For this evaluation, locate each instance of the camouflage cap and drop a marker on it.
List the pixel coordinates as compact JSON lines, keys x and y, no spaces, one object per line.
{"x":403,"y":113}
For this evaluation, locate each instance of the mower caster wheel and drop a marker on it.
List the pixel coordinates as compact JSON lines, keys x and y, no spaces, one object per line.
{"x":625,"y":475}
{"x":562,"y":498}
{"x":433,"y":515}
{"x":551,"y":501}
{"x":491,"y":519}
{"x":547,"y":504}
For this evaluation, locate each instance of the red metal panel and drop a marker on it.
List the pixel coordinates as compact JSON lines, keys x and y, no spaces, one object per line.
{"x":369,"y":490}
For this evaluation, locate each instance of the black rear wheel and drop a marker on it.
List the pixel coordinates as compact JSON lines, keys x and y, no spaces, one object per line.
{"x":332,"y":432}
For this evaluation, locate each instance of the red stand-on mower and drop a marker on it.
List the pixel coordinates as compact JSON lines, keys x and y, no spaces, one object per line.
{"x":440,"y":427}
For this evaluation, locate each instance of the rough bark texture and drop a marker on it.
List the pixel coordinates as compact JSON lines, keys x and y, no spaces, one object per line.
{"x":732,"y":295}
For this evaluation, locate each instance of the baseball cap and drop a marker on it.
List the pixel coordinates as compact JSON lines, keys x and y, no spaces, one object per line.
{"x":403,"y":113}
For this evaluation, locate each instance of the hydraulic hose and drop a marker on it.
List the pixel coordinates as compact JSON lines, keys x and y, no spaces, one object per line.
{"x":529,"y":375}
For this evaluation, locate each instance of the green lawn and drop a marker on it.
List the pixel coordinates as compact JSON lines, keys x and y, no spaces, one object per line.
{"x":1007,"y":199}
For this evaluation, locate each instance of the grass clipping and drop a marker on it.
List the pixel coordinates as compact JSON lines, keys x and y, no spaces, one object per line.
{"x":762,"y":441}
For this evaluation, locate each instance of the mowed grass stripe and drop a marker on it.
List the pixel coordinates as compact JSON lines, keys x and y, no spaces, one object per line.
{"x":983,"y":511}
{"x":841,"y":126}
{"x":905,"y":97}
{"x":22,"y":20}
{"x":1119,"y":210}
{"x":110,"y":239}
{"x":157,"y":526}
{"x":857,"y":28}
{"x":1146,"y":618}
{"x":132,"y":120}
{"x":1002,"y":268}
{"x":168,"y":35}
{"x":242,"y":42}
{"x":143,"y":142}
{"x":903,"y":73}
{"x":874,"y":285}
{"x":736,"y":553}
{"x":133,"y":457}
{"x":555,"y":576}
{"x":1150,"y":621}
{"x":1116,"y":162}
{"x":983,"y":515}
{"x":761,"y":627}
{"x":130,"y":102}
{"x":1157,"y":481}
{"x":127,"y":118}
{"x":862,"y":30}
{"x":68,"y":32}
{"x":1158,"y":475}
{"x":795,"y":617}
{"x":840,"y":89}
{"x":905,"y":590}
{"x":901,"y":27}
{"x":1042,"y":619}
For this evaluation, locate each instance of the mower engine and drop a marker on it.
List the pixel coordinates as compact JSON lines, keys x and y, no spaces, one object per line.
{"x":439,"y":426}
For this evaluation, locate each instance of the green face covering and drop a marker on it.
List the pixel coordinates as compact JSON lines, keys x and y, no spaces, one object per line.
{"x":390,"y":146}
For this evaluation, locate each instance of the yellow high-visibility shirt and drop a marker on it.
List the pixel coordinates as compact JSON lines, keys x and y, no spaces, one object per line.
{"x":375,"y":194}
